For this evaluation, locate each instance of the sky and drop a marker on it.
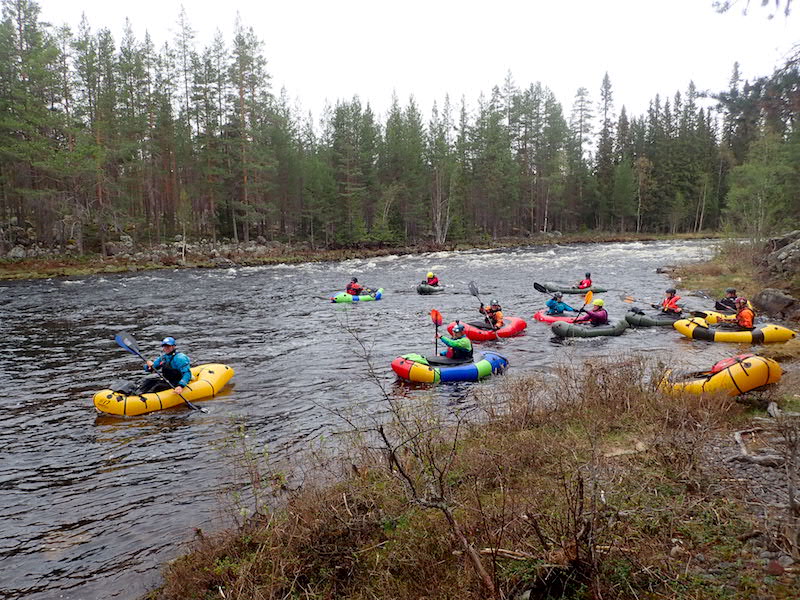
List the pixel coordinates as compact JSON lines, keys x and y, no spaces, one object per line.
{"x":321,"y":51}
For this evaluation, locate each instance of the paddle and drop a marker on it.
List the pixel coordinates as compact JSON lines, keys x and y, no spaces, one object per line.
{"x":437,"y":319}
{"x":540,"y":288}
{"x":473,"y":289}
{"x":127,"y":342}
{"x":586,"y":299}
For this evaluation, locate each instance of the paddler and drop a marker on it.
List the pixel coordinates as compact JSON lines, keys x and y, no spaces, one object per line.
{"x":493,"y":314}
{"x":459,"y":346}
{"x":174,"y":366}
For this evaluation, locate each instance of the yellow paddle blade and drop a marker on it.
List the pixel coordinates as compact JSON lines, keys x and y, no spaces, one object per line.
{"x":588,"y":297}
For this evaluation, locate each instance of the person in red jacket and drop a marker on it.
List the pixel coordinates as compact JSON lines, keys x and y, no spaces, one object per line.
{"x":354,"y":288}
{"x":744,"y":317}
{"x":431,"y":278}
{"x":585,"y":283}
{"x":670,"y":303}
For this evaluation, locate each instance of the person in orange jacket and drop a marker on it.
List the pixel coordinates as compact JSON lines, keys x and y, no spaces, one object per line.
{"x":744,"y":317}
{"x":670,"y":303}
{"x":493,"y":314}
{"x":586,"y":283}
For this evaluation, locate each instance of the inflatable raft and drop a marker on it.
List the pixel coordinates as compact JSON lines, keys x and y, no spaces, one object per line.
{"x":207,"y":381}
{"x":731,"y":376}
{"x":425,"y":289}
{"x":639,"y":318}
{"x":435,"y":369}
{"x":554,"y":287}
{"x":480,"y":331}
{"x":345,"y":297}
{"x":545,"y":318}
{"x":712,"y":317}
{"x":568,"y":330}
{"x":698,"y":329}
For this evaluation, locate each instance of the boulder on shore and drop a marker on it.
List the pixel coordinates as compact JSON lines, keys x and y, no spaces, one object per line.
{"x":784,"y":254}
{"x":777,"y":303}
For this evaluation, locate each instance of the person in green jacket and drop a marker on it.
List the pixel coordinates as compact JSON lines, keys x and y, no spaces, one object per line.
{"x":459,"y":346}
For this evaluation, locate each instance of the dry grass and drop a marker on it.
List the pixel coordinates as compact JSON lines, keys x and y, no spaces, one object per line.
{"x":585,"y":484}
{"x":736,"y":264}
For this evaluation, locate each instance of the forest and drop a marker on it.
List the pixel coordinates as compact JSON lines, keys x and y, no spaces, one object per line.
{"x":101,"y":138}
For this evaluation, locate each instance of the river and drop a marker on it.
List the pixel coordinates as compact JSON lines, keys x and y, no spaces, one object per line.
{"x":94,"y":505}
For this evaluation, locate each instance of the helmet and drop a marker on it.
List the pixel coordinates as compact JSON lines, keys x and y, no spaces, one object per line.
{"x":354,"y":280}
{"x":741,"y":300}
{"x":730,"y":291}
{"x":558,"y":295}
{"x":429,"y":275}
{"x":495,"y":303}
{"x":169,"y":341}
{"x":598,"y":302}
{"x":588,"y":274}
{"x":671,"y":291}
{"x":458,"y":328}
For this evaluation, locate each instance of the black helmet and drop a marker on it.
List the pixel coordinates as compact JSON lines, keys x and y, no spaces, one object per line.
{"x":588,"y":274}
{"x":558,"y":295}
{"x":730,"y":291}
{"x":671,"y":291}
{"x":354,"y":280}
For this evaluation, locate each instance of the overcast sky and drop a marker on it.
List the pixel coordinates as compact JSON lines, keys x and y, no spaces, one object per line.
{"x":335,"y":49}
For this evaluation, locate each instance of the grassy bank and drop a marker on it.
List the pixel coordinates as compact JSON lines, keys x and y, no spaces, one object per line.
{"x":59,"y":266}
{"x":737,"y":265}
{"x":586,"y":484}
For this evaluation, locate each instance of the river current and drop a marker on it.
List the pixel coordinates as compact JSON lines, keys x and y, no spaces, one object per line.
{"x":94,"y":505}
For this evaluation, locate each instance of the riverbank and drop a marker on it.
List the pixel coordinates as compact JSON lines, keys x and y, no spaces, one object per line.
{"x":126,"y":258}
{"x":741,"y":265}
{"x":587,"y":483}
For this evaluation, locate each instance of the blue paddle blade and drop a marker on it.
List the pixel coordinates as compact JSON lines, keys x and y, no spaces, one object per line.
{"x":127,"y":342}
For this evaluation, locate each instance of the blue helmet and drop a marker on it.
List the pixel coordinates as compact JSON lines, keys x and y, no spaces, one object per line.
{"x":169,"y":341}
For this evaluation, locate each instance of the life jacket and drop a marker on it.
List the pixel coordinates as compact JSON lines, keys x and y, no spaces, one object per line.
{"x":175,"y":367}
{"x":458,"y":348}
{"x":433,"y":281}
{"x":725,"y":304}
{"x":671,"y":304}
{"x":494,"y":316}
{"x":595,"y":317}
{"x":586,"y":283}
{"x":354,"y":289}
{"x":745,"y":318}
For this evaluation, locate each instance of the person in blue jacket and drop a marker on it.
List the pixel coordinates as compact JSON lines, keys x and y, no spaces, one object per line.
{"x":174,"y":366}
{"x":555,"y":306}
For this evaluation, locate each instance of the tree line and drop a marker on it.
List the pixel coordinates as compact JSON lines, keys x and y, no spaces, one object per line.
{"x":100,"y":138}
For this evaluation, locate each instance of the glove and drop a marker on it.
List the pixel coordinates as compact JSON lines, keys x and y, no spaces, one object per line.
{"x":655,"y":306}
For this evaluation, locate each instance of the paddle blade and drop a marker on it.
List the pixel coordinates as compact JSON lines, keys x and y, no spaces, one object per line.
{"x":540,"y":288}
{"x":473,"y":289}
{"x":127,"y":342}
{"x":629,"y":299}
{"x":588,"y":297}
{"x":436,"y":317}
